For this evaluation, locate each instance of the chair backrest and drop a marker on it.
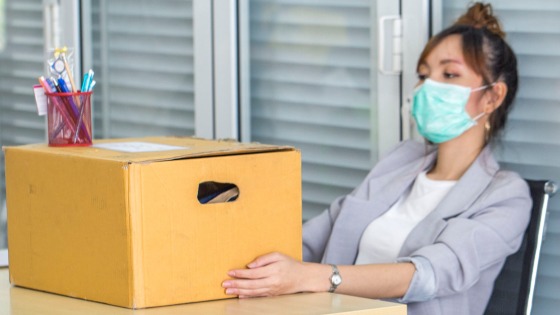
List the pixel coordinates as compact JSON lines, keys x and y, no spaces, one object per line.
{"x":514,"y":287}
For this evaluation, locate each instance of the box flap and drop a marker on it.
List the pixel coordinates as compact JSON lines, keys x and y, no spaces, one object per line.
{"x":153,"y":149}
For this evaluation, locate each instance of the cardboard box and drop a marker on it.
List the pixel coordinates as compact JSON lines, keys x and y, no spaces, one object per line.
{"x":128,"y":229}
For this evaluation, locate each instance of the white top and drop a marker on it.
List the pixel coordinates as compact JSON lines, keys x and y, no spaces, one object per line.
{"x":383,"y":238}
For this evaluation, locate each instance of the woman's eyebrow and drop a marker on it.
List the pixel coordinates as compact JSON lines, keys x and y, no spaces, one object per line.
{"x":423,"y":64}
{"x":446,"y":61}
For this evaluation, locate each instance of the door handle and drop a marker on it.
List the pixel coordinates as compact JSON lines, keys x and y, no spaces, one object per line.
{"x":390,"y":45}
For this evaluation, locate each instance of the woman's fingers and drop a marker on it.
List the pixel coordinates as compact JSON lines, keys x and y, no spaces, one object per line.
{"x":266,"y":260}
{"x":262,"y":287}
{"x":248,"y":293}
{"x":256,"y":273}
{"x":261,"y":267}
{"x":270,"y":274}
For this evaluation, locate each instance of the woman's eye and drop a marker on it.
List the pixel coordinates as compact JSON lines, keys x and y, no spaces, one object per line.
{"x":422,"y":77}
{"x":448,"y":75}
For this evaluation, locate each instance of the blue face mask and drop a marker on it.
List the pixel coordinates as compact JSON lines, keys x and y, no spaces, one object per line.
{"x":439,"y":110}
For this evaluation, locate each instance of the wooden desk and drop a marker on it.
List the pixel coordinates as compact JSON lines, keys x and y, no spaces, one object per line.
{"x":19,"y":301}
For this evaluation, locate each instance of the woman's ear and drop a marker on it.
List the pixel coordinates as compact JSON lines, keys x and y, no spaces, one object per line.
{"x":495,"y":97}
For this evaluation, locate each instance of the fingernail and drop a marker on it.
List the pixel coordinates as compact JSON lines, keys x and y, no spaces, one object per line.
{"x":226,"y":284}
{"x":252,"y":265}
{"x":230,"y":291}
{"x":231,"y":273}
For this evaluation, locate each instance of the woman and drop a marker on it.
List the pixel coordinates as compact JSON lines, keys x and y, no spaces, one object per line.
{"x":430,"y":226}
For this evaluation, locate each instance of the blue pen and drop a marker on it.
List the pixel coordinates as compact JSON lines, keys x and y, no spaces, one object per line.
{"x":89,"y":86}
{"x":64,"y":89}
{"x":88,"y":77}
{"x":83,"y":89}
{"x":62,"y":85}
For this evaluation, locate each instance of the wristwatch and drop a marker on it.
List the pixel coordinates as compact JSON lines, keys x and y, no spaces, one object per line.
{"x":336,"y":279}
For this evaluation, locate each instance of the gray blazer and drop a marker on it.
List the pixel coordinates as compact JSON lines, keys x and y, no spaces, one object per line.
{"x":465,"y":240}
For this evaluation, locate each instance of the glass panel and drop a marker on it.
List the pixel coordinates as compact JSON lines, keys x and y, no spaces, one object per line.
{"x":530,"y":146}
{"x":21,"y":62}
{"x":310,"y":86}
{"x":143,"y":62}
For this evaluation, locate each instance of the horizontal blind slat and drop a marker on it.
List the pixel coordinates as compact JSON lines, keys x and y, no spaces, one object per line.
{"x":310,"y":55}
{"x":310,"y":74}
{"x":332,"y":4}
{"x":305,"y":16}
{"x":322,"y":116}
{"x":311,"y":93}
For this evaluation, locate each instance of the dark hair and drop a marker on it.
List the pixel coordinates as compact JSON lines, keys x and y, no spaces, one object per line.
{"x":487,"y":53}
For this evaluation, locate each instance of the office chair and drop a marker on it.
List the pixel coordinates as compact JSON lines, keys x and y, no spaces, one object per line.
{"x":515,"y":285}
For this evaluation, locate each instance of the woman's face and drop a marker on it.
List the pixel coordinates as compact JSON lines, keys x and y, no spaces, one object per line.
{"x":446,"y":64}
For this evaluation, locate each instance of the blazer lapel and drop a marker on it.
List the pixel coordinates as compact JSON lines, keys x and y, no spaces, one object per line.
{"x":469,"y":187}
{"x":356,"y":213}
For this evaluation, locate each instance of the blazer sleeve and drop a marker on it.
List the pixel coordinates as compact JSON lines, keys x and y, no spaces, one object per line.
{"x":470,"y":244}
{"x":316,"y":232}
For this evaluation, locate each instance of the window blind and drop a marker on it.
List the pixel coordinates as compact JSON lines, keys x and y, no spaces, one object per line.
{"x":21,"y":62}
{"x":530,"y":143}
{"x":310,"y":65}
{"x":143,"y":62}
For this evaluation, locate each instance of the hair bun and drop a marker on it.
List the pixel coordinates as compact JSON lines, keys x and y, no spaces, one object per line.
{"x":481,"y":15}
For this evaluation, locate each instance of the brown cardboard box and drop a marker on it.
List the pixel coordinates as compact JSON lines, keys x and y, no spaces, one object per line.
{"x":127,"y":228}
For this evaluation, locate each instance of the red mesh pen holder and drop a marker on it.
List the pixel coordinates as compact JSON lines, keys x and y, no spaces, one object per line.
{"x":69,"y":119}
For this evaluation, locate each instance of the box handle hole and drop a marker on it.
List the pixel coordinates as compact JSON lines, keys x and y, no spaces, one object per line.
{"x":214,"y":192}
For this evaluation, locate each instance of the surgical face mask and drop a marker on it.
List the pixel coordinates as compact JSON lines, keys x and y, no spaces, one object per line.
{"x":439,"y":110}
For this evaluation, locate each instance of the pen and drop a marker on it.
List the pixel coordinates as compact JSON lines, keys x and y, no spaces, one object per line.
{"x":46,"y":86}
{"x":86,"y":86}
{"x":88,"y":77}
{"x":79,"y":125}
{"x":83,"y":89}
{"x":62,"y":85}
{"x":52,"y":83}
{"x":91,"y":82}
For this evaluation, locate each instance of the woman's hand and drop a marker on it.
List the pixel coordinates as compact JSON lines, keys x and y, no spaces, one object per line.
{"x":277,"y":274}
{"x":268,"y":275}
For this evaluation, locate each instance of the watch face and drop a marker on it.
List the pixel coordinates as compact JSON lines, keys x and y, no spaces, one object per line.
{"x":336,"y":279}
